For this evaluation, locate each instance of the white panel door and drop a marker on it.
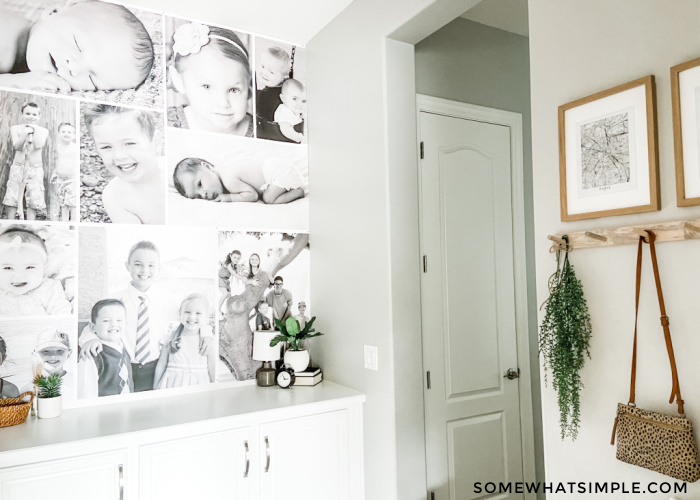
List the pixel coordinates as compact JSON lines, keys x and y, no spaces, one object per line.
{"x":468,"y":307}
{"x":305,"y":458}
{"x":214,"y":466}
{"x":97,"y":476}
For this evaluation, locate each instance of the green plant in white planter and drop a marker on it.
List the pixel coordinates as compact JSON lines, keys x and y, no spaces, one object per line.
{"x":49,"y":400}
{"x":295,"y":356}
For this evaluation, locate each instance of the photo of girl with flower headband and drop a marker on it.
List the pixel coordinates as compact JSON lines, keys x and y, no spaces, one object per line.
{"x":209,"y":78}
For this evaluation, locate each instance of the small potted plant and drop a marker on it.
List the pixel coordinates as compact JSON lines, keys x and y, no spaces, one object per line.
{"x":295,"y":356}
{"x":49,"y":395}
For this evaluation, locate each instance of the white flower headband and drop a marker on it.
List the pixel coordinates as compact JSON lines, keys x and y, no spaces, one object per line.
{"x":191,"y":37}
{"x":16,"y":243}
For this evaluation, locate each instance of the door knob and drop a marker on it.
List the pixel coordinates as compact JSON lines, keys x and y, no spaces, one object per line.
{"x":512,"y":373}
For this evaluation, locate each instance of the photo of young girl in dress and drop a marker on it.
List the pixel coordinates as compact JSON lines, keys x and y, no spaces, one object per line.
{"x":280,"y":91}
{"x":37,"y":270}
{"x":60,"y":39}
{"x":36,"y":147}
{"x":209,"y":78}
{"x":122,"y":165}
{"x":30,"y":346}
{"x":274,"y":276}
{"x":214,"y":180}
{"x":145,"y":290}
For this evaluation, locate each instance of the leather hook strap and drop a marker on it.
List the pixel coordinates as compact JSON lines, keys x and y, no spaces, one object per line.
{"x":675,"y":390}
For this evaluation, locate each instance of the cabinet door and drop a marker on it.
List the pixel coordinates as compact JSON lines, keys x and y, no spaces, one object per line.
{"x":89,"y":477}
{"x":211,"y":466}
{"x":305,"y":458}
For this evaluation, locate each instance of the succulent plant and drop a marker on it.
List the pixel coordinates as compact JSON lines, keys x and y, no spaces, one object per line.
{"x":49,"y":387}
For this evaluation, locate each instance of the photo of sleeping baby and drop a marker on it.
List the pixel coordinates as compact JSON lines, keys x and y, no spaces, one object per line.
{"x":231,"y":181}
{"x":37,"y":270}
{"x":37,"y":346}
{"x":209,"y":78}
{"x":84,"y":48}
{"x":146,"y":317}
{"x":38,"y":157}
{"x":122,"y":167}
{"x":280,"y":91}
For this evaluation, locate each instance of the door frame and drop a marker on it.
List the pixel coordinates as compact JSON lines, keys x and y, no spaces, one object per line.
{"x":514,"y":121}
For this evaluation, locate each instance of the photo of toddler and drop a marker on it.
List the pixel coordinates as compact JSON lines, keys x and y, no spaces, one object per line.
{"x":209,"y":71}
{"x":26,"y":285}
{"x":53,"y":349}
{"x":180,"y":363}
{"x":108,"y":372}
{"x":86,"y":48}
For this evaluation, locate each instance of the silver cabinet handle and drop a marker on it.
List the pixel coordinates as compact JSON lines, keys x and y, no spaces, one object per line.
{"x":267,"y":453}
{"x":247,"y":459}
{"x":121,"y":481}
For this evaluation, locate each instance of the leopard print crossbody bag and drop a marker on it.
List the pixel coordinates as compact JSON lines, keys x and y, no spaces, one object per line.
{"x":656,"y":441}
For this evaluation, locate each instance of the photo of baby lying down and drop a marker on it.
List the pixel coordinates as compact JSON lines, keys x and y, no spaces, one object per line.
{"x":223,"y":182}
{"x":50,"y":46}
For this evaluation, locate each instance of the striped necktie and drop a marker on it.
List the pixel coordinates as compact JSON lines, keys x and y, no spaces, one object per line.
{"x":143,"y":340}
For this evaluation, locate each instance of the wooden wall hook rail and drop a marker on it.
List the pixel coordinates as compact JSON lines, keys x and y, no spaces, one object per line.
{"x":679,"y":230}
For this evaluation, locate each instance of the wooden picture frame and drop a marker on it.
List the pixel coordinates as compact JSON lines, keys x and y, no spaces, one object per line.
{"x":608,"y":154}
{"x":685,"y":98}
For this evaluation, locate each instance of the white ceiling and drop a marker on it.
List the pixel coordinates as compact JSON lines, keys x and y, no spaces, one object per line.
{"x":508,"y":15}
{"x":294,"y":21}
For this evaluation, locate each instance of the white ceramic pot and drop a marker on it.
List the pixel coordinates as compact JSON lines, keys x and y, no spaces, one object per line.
{"x":298,"y":360}
{"x":49,"y":407}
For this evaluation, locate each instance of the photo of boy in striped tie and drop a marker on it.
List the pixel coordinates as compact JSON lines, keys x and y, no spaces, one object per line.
{"x":147,"y":316}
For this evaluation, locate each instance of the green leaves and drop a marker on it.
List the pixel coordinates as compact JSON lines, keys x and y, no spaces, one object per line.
{"x":49,"y":387}
{"x":564,"y":342}
{"x":290,"y":333}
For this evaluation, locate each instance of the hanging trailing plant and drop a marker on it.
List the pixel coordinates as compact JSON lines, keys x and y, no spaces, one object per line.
{"x":564,"y":341}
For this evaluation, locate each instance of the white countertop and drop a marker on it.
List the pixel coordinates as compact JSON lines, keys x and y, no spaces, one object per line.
{"x":108,"y":420}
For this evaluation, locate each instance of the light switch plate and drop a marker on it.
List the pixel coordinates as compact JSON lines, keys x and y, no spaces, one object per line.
{"x":371,"y":362}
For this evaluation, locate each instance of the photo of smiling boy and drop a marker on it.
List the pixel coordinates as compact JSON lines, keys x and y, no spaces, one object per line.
{"x":108,"y":372}
{"x":129,"y":144}
{"x":53,"y":349}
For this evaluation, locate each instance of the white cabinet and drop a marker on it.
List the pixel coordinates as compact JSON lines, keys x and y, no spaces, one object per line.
{"x":305,"y":458}
{"x":247,"y":443}
{"x":90,"y":477}
{"x":214,"y":466}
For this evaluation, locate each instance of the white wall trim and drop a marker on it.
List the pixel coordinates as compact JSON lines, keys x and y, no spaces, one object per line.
{"x":514,"y":121}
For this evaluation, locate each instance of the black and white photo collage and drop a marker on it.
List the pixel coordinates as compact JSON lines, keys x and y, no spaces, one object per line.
{"x":155,"y":201}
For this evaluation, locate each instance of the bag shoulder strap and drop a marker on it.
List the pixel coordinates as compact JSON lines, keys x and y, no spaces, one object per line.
{"x":676,"y":389}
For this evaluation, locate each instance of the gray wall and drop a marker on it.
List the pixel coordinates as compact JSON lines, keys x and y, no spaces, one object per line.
{"x":577,"y":49}
{"x":477,"y":64}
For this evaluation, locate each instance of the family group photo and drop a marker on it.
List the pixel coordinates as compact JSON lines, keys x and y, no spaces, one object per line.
{"x":262,"y":277}
{"x":146,"y":315}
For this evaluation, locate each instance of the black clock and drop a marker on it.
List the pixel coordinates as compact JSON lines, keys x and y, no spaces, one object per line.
{"x":286,"y":378}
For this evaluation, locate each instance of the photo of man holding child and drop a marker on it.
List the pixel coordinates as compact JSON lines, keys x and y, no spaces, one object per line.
{"x":213,"y":180}
{"x":84,"y":48}
{"x":38,"y":157}
{"x":122,"y":165}
{"x":146,"y":309}
{"x":32,"y":346}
